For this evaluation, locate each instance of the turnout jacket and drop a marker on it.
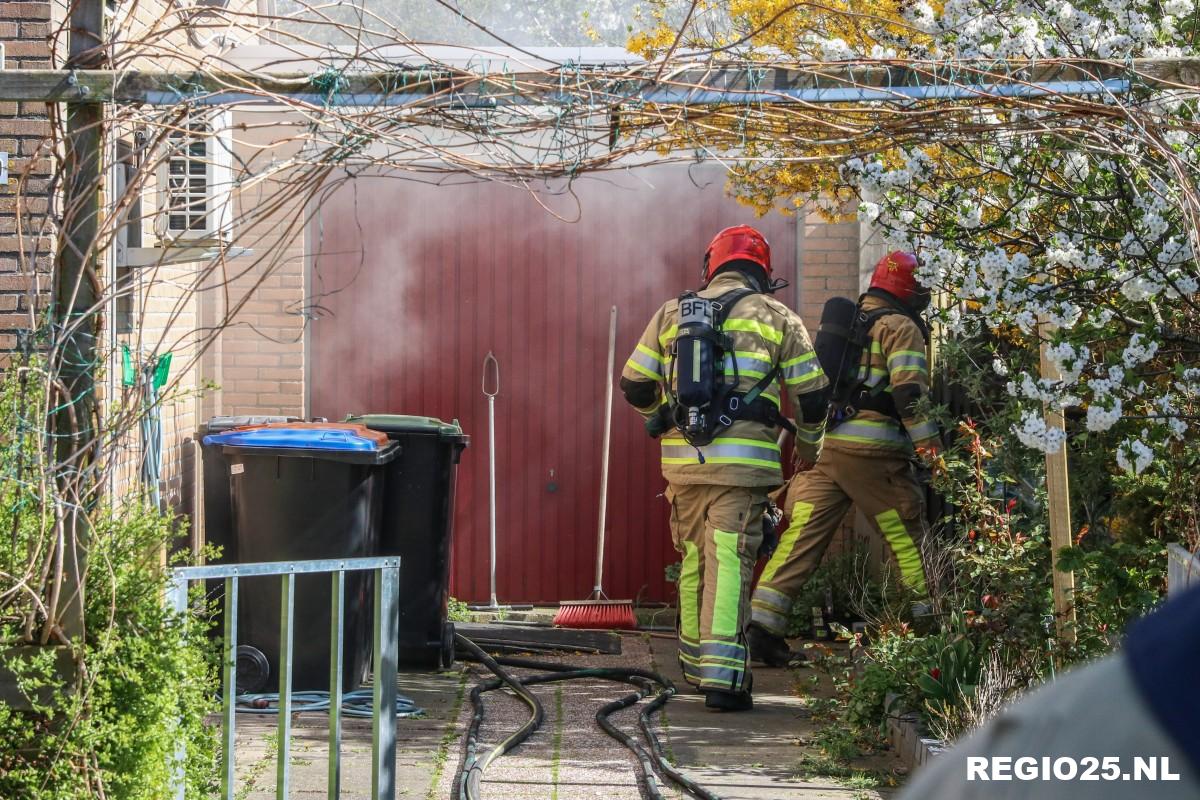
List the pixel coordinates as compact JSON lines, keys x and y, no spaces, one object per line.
{"x":895,"y":363}
{"x":765,"y":333}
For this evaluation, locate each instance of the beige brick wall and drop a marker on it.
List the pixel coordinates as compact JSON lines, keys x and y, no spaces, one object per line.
{"x":259,"y":358}
{"x":828,"y":254}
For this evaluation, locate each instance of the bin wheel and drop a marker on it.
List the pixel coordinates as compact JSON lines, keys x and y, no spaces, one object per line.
{"x":253,"y":670}
{"x":447,"y":652}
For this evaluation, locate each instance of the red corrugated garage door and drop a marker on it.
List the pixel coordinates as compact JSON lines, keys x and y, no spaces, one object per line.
{"x":413,"y":284}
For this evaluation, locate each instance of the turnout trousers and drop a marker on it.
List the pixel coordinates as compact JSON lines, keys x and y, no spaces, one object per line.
{"x":883,"y":487}
{"x":717,"y":531}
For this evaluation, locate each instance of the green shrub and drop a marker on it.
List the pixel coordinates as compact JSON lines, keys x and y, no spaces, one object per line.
{"x":143,"y":678}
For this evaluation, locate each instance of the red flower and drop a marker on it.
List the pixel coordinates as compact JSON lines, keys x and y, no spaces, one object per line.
{"x":935,"y":673}
{"x":1011,"y":505}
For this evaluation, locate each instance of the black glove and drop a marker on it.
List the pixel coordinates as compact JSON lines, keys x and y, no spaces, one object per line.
{"x":660,"y":423}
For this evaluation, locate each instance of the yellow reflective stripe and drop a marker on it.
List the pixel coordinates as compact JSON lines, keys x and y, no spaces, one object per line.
{"x":873,"y":376}
{"x":771,"y":598}
{"x":748,"y":462}
{"x":735,"y":663}
{"x":816,"y":374}
{"x":666,"y":337}
{"x":801,"y":512}
{"x":742,"y":371}
{"x":729,"y":585}
{"x":750,"y":362}
{"x":748,"y":442}
{"x":689,"y":592}
{"x":791,"y":362}
{"x":869,"y":432}
{"x":641,"y":348}
{"x":636,"y":367}
{"x":912,"y":573}
{"x":923,"y":430}
{"x":723,"y":450}
{"x":762,"y":329}
{"x":678,"y":441}
{"x":913,"y":357}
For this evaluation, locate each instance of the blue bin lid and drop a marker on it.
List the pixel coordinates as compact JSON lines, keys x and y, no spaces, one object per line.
{"x":297,"y":437}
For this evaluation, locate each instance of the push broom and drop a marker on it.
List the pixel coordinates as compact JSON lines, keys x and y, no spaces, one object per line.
{"x":598,"y":611}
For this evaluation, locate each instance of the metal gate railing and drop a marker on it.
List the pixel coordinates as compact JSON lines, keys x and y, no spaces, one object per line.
{"x":1183,"y":569}
{"x":384,"y":658}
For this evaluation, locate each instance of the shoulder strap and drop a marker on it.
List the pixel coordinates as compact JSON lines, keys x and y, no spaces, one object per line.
{"x":726,"y":302}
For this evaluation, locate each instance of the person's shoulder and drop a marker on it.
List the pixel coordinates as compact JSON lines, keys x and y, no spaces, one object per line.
{"x":896,"y":323}
{"x":776,"y":307}
{"x":783,"y":317}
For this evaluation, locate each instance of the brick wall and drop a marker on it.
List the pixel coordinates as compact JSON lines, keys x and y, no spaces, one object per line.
{"x":828,"y":254}
{"x":258,"y":359}
{"x":24,"y":28}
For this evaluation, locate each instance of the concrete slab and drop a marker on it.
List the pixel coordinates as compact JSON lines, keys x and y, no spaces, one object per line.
{"x":754,"y":755}
{"x":422,"y":745}
{"x":748,"y":756}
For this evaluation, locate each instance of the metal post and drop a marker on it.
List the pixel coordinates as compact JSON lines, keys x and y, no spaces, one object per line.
{"x":490,"y":361}
{"x":383,"y":745}
{"x":492,"y":492}
{"x":177,"y":597}
{"x":335,"y":684}
{"x":229,"y":689}
{"x":286,"y":637}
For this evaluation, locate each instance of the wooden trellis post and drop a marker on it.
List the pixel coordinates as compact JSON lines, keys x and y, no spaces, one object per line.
{"x":1058,"y":505}
{"x":76,"y":292}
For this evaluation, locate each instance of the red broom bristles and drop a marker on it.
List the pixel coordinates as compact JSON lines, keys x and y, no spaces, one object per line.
{"x":607,"y":614}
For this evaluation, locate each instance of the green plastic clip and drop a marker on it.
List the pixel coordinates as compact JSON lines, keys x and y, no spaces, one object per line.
{"x":128,"y":376}
{"x":161,"y":370}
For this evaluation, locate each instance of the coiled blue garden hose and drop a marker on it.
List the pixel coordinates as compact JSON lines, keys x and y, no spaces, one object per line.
{"x":354,"y":704}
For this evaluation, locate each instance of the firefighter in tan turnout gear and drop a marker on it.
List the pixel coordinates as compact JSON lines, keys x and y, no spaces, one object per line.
{"x":707,"y":375}
{"x":869,"y":456}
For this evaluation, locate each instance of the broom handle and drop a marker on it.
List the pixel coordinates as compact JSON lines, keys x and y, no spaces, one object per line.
{"x":598,"y":592}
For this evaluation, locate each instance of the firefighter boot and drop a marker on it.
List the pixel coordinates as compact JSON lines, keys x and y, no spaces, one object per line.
{"x":721,"y":700}
{"x":767,"y":648}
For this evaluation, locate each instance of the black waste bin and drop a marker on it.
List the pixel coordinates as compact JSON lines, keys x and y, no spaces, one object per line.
{"x":304,"y":491}
{"x":218,"y":511}
{"x":417,"y":523}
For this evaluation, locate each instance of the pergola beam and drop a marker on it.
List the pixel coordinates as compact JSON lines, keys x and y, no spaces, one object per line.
{"x":718,"y":84}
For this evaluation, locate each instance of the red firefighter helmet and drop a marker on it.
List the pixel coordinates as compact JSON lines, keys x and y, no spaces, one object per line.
{"x":741,"y":242}
{"x":895,"y":274}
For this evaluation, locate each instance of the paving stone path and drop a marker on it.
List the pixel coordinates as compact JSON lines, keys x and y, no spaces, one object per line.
{"x":751,"y":756}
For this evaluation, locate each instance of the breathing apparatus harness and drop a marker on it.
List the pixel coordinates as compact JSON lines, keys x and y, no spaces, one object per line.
{"x":702,"y":398}
{"x":843,"y":337}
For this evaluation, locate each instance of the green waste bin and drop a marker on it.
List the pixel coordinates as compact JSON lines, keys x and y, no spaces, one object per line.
{"x":417,"y":525}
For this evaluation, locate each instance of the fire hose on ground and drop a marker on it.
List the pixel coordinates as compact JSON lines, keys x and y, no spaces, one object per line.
{"x":651,"y":760}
